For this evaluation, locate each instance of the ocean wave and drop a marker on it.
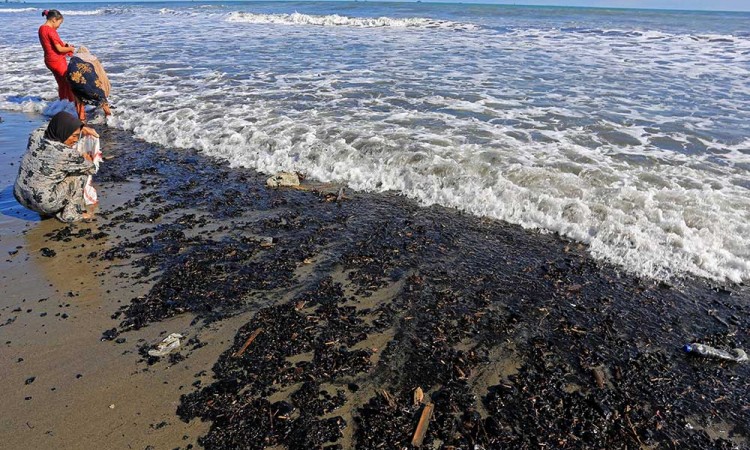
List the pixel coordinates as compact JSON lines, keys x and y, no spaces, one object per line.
{"x":95,"y":12}
{"x":74,"y":12}
{"x":633,"y":141}
{"x":17,"y":10}
{"x":333,"y":20}
{"x":674,"y":219}
{"x":740,"y":37}
{"x":24,"y":104}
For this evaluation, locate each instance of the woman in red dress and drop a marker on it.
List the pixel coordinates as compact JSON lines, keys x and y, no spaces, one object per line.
{"x":55,"y":52}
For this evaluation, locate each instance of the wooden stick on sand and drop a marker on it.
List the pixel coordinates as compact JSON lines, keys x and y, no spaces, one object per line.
{"x":424,"y":421}
{"x":248,"y":342}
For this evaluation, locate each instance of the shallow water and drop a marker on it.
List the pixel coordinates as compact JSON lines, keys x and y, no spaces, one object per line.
{"x":627,"y":130}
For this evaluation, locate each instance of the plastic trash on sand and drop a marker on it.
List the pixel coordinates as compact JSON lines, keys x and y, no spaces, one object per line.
{"x":167,"y":345}
{"x":283,"y":179}
{"x":736,"y":355}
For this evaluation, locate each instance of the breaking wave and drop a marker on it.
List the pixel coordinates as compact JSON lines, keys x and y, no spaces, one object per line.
{"x":17,"y":10}
{"x":95,"y":12}
{"x":334,"y":20}
{"x":631,"y":139}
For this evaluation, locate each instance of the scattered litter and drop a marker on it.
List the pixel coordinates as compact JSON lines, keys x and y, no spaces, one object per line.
{"x":424,"y":422}
{"x":112,"y":406}
{"x":166,"y":346}
{"x":736,"y":355}
{"x":30,"y":380}
{"x":283,"y":179}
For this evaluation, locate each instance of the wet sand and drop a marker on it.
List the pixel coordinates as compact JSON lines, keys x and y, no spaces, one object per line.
{"x":60,"y":378}
{"x":517,"y":338}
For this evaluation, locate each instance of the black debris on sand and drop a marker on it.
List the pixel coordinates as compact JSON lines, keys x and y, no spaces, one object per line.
{"x":518,"y":339}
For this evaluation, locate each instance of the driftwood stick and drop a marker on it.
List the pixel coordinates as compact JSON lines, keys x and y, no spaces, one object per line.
{"x":424,"y":421}
{"x":248,"y":342}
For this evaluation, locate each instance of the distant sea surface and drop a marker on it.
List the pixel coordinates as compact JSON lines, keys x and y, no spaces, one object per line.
{"x":628,"y":130}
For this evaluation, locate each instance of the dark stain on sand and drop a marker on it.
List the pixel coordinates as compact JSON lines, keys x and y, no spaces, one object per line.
{"x":362,"y":311}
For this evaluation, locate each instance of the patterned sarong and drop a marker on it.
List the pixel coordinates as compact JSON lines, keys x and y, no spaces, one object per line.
{"x":86,"y":84}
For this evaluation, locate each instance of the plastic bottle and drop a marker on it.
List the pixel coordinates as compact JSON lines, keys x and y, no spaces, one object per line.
{"x":736,"y":355}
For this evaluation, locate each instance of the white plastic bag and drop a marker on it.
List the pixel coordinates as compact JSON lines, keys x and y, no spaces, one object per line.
{"x":89,"y":146}
{"x":89,"y":193}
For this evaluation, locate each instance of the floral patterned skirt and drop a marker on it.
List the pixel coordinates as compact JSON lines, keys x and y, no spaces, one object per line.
{"x":86,"y":85}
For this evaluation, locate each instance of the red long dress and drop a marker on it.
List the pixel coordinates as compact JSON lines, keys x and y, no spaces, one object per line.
{"x":55,"y":61}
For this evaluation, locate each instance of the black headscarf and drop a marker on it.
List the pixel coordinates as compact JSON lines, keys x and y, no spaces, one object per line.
{"x":62,"y":126}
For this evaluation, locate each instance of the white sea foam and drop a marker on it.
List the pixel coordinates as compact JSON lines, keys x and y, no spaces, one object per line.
{"x":29,"y":106}
{"x":69,"y":12}
{"x":635,"y":142}
{"x":17,"y":10}
{"x":344,"y":21}
{"x":95,"y":12}
{"x":75,"y":12}
{"x":54,"y":107}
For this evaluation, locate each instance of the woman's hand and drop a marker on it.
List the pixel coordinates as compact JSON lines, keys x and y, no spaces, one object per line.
{"x":88,"y":131}
{"x":68,"y":48}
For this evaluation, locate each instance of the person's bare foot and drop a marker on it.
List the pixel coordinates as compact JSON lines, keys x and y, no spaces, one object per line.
{"x":105,"y":108}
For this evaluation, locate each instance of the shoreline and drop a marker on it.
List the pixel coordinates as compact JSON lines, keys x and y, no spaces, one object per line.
{"x":383,"y":295}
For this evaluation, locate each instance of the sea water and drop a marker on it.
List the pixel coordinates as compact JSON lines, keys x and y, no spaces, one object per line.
{"x":628,"y":130}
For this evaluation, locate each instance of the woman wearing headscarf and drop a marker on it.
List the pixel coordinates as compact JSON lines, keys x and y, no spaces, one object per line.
{"x":55,"y":52}
{"x":53,"y":173}
{"x":89,"y":82}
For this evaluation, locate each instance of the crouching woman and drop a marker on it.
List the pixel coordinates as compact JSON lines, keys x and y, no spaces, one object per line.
{"x":53,"y":172}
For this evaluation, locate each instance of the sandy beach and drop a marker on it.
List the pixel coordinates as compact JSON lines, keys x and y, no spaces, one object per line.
{"x":62,"y":379}
{"x":516,"y":338}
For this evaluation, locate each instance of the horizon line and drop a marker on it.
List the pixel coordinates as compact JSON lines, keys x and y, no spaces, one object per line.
{"x":447,"y":2}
